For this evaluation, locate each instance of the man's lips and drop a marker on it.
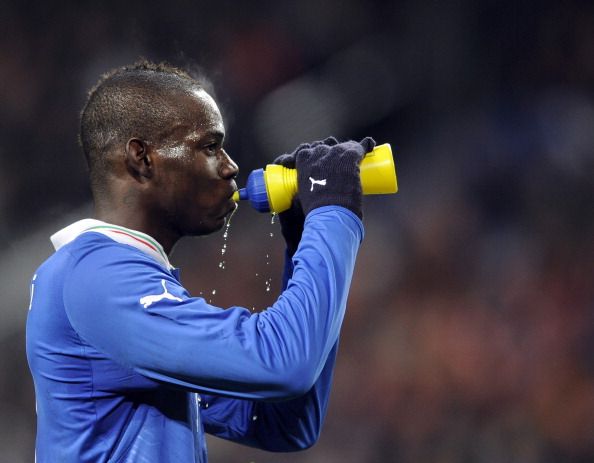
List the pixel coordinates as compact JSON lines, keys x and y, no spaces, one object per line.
{"x":233,"y":189}
{"x":231,"y":206}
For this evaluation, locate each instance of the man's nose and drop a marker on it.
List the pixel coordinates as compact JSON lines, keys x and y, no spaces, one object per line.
{"x":228,"y":167}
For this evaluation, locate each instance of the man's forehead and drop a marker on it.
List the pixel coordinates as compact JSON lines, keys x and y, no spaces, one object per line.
{"x":200,"y":114}
{"x":198,"y":97}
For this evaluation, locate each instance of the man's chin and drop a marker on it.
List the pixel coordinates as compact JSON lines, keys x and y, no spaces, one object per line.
{"x":214,"y":224}
{"x":209,"y":229}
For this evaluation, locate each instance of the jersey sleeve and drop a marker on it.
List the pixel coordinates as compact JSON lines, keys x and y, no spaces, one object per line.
{"x":284,"y":426}
{"x":289,"y":425}
{"x":128,"y":307}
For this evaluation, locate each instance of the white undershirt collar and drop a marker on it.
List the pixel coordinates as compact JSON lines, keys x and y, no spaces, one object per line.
{"x":139,"y":240}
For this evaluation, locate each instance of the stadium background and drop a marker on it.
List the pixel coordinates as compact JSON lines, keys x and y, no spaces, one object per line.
{"x":470,"y":332}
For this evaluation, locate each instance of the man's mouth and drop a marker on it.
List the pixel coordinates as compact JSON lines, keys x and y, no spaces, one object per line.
{"x":230,"y":208}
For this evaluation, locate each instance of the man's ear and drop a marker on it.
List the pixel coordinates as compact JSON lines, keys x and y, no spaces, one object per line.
{"x":138,"y":161}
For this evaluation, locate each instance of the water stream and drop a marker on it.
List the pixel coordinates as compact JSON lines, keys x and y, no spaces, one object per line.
{"x":223,"y":263}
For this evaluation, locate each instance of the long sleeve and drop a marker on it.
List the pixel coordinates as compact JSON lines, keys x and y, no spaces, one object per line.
{"x":274,"y":426}
{"x":130,"y":308}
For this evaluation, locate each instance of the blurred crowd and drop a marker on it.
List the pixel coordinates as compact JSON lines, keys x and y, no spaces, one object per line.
{"x":470,"y":330}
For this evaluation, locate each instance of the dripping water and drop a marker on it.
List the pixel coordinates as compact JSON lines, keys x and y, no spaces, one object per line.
{"x":223,"y":262}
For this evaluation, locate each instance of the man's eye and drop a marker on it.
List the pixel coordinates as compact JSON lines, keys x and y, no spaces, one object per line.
{"x":212,"y":148}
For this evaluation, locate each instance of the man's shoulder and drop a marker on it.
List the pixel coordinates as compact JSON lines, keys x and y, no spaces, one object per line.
{"x":90,"y":251}
{"x":92,"y":245}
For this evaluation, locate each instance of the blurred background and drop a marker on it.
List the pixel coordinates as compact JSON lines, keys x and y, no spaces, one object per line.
{"x":470,"y":330}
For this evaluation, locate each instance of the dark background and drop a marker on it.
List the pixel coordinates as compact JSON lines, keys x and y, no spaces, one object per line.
{"x":469,"y":331}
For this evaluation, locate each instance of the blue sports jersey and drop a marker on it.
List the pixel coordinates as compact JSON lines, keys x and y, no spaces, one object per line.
{"x":129,"y":367}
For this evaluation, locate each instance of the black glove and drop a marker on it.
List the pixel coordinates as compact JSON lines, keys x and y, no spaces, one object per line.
{"x":288,"y":160}
{"x":329,"y":175}
{"x":291,"y":220}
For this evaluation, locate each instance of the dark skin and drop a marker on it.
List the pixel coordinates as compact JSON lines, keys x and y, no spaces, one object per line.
{"x":178,"y":186}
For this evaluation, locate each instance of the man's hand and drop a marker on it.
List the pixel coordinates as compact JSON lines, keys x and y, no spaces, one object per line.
{"x":292,"y":220}
{"x":328,"y":174}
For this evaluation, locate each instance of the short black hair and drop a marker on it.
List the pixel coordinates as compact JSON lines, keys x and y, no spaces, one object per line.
{"x":130,"y":101}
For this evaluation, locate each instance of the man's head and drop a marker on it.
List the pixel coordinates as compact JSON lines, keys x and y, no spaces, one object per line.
{"x":153,"y":140}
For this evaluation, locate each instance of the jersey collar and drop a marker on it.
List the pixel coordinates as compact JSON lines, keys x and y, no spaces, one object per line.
{"x":139,"y":240}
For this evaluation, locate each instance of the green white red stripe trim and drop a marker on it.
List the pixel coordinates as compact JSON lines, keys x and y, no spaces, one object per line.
{"x":123,"y":235}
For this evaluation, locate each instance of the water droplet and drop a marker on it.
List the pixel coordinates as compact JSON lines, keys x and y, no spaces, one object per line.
{"x":273,"y":218}
{"x":214,"y":291}
{"x":254,"y":418}
{"x":222,"y":263}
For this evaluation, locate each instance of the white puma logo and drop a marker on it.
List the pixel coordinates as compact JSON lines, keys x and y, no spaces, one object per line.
{"x":314,"y":182}
{"x":151,"y":299}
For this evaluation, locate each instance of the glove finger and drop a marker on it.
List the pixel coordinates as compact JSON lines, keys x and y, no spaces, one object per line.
{"x":331,"y":141}
{"x":368,"y":144}
{"x":294,"y":215}
{"x":317,"y":143}
{"x":286,"y":160}
{"x":291,"y":222}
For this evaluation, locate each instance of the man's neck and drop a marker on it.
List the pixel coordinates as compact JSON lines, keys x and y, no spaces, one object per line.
{"x":138,"y":222}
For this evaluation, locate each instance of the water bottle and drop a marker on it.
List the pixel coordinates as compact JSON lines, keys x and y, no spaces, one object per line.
{"x":272,"y":189}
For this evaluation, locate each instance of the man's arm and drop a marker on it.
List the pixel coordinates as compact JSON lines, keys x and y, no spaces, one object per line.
{"x":274,"y":426}
{"x":285,"y":426}
{"x":276,"y":354}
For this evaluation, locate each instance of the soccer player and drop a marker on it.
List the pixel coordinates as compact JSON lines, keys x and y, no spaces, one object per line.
{"x":127,"y":365}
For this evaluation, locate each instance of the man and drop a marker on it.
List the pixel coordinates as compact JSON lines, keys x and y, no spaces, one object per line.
{"x":127,"y":365}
